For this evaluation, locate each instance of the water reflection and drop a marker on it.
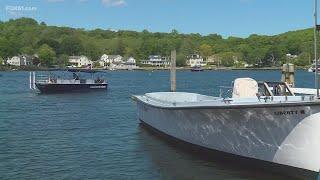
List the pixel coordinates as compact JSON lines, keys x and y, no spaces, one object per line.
{"x":176,"y":162}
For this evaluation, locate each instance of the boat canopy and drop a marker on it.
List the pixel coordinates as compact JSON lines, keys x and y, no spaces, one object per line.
{"x":245,"y":87}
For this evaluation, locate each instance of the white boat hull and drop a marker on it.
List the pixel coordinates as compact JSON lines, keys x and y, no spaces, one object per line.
{"x":284,"y":135}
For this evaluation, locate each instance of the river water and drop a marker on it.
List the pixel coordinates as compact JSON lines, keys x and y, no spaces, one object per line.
{"x":97,"y":135}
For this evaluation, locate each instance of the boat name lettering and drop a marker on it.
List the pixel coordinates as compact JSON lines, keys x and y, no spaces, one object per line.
{"x":294,"y":112}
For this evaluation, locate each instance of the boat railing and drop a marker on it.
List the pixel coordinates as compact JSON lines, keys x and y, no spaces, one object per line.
{"x":33,"y":79}
{"x":225,"y":91}
{"x":301,"y":98}
{"x":42,"y":81}
{"x":40,"y":78}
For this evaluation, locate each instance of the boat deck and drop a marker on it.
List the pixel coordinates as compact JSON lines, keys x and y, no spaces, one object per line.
{"x":193,"y":100}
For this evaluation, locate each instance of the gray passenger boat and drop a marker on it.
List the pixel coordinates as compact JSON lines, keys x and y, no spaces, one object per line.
{"x":53,"y":84}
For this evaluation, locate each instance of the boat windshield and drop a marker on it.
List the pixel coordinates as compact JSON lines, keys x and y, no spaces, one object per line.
{"x":274,"y":89}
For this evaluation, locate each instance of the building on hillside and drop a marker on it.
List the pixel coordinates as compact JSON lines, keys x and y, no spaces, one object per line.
{"x":20,"y":60}
{"x":291,"y":56}
{"x":131,"y":60}
{"x":195,"y":60}
{"x":130,"y":63}
{"x":80,"y":61}
{"x":107,"y":60}
{"x":213,"y":60}
{"x":156,"y":60}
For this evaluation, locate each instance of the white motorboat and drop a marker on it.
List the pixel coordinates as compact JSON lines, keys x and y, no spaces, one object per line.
{"x":262,"y":121}
{"x":313,"y":67}
{"x":267,"y":122}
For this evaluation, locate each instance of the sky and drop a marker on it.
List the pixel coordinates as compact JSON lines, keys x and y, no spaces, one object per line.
{"x":238,"y":18}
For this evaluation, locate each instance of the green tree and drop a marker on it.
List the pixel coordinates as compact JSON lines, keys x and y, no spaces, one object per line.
{"x":228,"y":58}
{"x":27,"y":50}
{"x":63,"y":60}
{"x":47,"y":55}
{"x":92,"y":50}
{"x":54,"y":44}
{"x":7,"y":47}
{"x":120,"y":47}
{"x":71,"y":45}
{"x":1,"y":61}
{"x":96,"y":64}
{"x":303,"y":59}
{"x":129,"y":52}
{"x":246,"y":51}
{"x":26,"y":36}
{"x":205,"y":50}
{"x":181,"y":60}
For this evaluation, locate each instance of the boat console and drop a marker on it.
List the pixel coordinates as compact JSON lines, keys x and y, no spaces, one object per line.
{"x":247,"y":87}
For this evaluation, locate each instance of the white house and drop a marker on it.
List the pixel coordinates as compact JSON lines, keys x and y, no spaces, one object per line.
{"x":80,"y":61}
{"x":131,"y":60}
{"x":195,"y":60}
{"x":130,"y":63}
{"x":156,"y":60}
{"x":22,"y":60}
{"x":107,"y":60}
{"x":291,"y":56}
{"x":213,"y":59}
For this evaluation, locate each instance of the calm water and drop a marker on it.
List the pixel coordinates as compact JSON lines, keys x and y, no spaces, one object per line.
{"x":97,"y":135}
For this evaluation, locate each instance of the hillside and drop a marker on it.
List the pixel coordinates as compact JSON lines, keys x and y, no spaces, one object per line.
{"x":27,"y":36}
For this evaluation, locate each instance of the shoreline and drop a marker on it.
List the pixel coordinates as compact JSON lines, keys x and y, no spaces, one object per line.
{"x":5,"y":68}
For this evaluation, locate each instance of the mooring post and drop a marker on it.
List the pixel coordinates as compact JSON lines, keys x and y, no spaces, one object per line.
{"x":34,"y":80}
{"x":173,"y":70}
{"x":30,"y":80}
{"x":315,"y":46}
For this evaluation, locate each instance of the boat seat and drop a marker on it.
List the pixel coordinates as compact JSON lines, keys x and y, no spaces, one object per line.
{"x":245,"y":87}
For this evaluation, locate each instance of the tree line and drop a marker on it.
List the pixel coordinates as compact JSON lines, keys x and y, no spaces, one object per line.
{"x":54,"y":44}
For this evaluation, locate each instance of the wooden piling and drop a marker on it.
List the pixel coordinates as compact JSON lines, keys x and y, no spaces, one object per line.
{"x":288,"y":72}
{"x":173,"y":70}
{"x":30,"y":80}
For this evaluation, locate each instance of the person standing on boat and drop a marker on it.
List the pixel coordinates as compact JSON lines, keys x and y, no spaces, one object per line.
{"x":75,"y":76}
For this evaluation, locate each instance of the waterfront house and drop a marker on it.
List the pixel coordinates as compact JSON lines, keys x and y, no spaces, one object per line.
{"x":79,"y":61}
{"x":130,"y":63}
{"x":107,"y":60}
{"x":213,"y":60}
{"x":131,"y":60}
{"x":20,"y":60}
{"x":291,"y":56}
{"x":195,"y":60}
{"x":156,"y":60}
